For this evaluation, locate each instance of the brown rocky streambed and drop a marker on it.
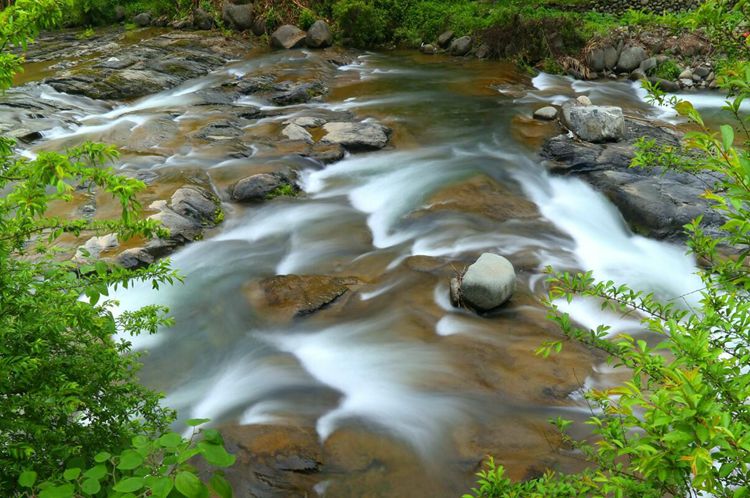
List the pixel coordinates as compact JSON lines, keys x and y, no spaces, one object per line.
{"x":314,"y":326}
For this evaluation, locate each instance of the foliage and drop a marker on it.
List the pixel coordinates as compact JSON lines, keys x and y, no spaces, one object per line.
{"x":361,"y":23}
{"x":306,"y":19}
{"x":156,"y":467}
{"x":69,"y":389}
{"x":680,"y":426}
{"x":285,"y":190}
{"x":667,"y":70}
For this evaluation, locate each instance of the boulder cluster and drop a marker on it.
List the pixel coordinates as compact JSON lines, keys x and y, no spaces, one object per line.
{"x":461,"y":46}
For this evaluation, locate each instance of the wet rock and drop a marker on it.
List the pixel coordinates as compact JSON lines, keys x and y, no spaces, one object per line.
{"x":583,"y":100}
{"x":143,"y":19}
{"x":298,"y":295}
{"x":648,"y":65}
{"x":299,"y":93}
{"x":595,"y":124}
{"x":460,"y":46}
{"x":702,"y":71}
{"x":319,"y":35}
{"x":181,"y":229}
{"x":666,"y":85}
{"x":258,"y":188}
{"x":687,"y":74}
{"x":326,"y":153}
{"x":196,"y":203}
{"x":653,"y":202}
{"x":483,"y":51}
{"x":445,"y":39}
{"x":296,"y":132}
{"x":356,"y":136}
{"x":547,"y":113}
{"x":288,"y":36}
{"x":488,"y":283}
{"x":595,"y":59}
{"x":136,"y":257}
{"x":95,"y":246}
{"x":428,"y":49}
{"x":255,"y":84}
{"x":202,"y":19}
{"x":611,"y":56}
{"x":630,"y":58}
{"x":238,"y":16}
{"x":309,"y":121}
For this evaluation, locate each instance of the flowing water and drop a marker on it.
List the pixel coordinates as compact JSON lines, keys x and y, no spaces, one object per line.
{"x":405,"y":393}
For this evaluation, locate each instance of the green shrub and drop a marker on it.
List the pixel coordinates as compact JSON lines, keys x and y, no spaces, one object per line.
{"x":306,"y":19}
{"x":361,"y":23}
{"x":667,"y":70}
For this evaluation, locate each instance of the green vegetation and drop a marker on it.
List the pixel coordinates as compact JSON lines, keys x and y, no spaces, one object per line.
{"x":286,"y":190}
{"x":69,"y":394}
{"x":680,"y":425}
{"x":667,"y":70}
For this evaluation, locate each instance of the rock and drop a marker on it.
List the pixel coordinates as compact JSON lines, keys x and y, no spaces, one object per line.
{"x":702,"y":71}
{"x":196,"y":203}
{"x":690,"y":45}
{"x":202,"y":19}
{"x":160,"y":22}
{"x":595,"y":124}
{"x":319,"y":35}
{"x":483,"y":51}
{"x":309,"y":121}
{"x":445,"y":39}
{"x":638,"y":75}
{"x":697,"y":78}
{"x":136,"y":257}
{"x":687,"y":74}
{"x":299,"y":93}
{"x":258,"y":188}
{"x":181,"y":229}
{"x":547,"y":113}
{"x":595,"y":59}
{"x":428,"y":49}
{"x":238,"y":16}
{"x":356,"y":136}
{"x":630,"y":58}
{"x":143,"y":19}
{"x":611,"y":56}
{"x":488,"y":283}
{"x":583,"y":100}
{"x":296,"y":132}
{"x":288,"y":36}
{"x":460,"y":46}
{"x":666,"y":85}
{"x":297,"y":295}
{"x":326,"y":153}
{"x":649,"y":65}
{"x":94,"y":247}
{"x":655,"y":203}
{"x":183,"y":24}
{"x":455,"y":292}
{"x":687,"y":83}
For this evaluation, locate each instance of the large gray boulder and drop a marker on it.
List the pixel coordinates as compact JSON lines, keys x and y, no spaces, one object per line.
{"x":445,"y":39}
{"x":595,"y":124}
{"x":460,"y":46}
{"x":356,"y":136}
{"x":202,"y":19}
{"x":288,"y":36}
{"x":630,"y":58}
{"x":238,"y":16}
{"x":488,"y":283}
{"x":319,"y":35}
{"x":196,"y":203}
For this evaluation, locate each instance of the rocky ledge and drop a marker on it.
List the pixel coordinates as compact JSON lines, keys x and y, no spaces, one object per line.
{"x":654,"y":202}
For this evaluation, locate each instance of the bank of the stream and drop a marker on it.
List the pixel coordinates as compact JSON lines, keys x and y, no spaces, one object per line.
{"x":315,"y":326}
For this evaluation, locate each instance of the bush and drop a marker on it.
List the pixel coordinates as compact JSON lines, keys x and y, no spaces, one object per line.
{"x":667,"y":70}
{"x":361,"y":23}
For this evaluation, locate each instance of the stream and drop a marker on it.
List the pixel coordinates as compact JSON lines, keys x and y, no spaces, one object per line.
{"x":390,"y":391}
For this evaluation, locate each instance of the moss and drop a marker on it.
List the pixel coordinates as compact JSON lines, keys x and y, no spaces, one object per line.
{"x":286,"y":190}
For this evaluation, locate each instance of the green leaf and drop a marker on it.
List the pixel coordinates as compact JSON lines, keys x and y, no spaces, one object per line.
{"x":91,"y":486}
{"x":96,"y":472}
{"x":189,"y":485}
{"x":216,"y":454}
{"x":71,"y":474}
{"x":27,"y":479}
{"x":129,"y":460}
{"x":102,"y":457}
{"x":161,"y":487}
{"x":64,"y":491}
{"x":194,"y":422}
{"x":727,"y":136}
{"x":129,"y":485}
{"x":170,"y":440}
{"x":221,"y":486}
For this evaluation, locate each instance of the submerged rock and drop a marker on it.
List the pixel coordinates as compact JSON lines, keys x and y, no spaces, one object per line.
{"x":488,"y":283}
{"x":356,"y":136}
{"x":595,"y":124}
{"x":288,"y":36}
{"x":297,"y":295}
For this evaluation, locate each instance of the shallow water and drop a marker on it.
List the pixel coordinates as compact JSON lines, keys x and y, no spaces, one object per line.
{"x":392,"y":374}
